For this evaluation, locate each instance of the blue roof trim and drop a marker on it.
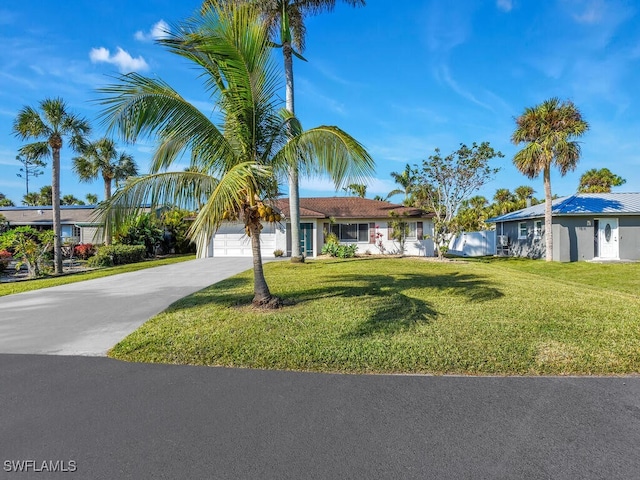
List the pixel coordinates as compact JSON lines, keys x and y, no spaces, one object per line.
{"x":580,"y":204}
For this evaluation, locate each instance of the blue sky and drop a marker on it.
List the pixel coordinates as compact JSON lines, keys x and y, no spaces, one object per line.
{"x":401,"y":77}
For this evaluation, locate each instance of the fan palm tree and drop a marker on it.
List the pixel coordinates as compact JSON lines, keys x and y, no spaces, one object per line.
{"x":549,"y":130}
{"x":48,"y":127}
{"x":286,"y":22}
{"x":236,"y":164}
{"x":599,"y":181}
{"x":100,"y":158}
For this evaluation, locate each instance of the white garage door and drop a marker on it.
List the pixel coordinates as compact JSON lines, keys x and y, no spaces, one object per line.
{"x":231,"y":241}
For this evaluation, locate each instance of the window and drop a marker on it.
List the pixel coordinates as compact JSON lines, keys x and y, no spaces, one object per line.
{"x":537,"y":228}
{"x":351,"y":232}
{"x":522,"y":230}
{"x":412,"y":230}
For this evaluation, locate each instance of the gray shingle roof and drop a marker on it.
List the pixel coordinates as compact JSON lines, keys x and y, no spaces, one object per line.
{"x":580,"y":204}
{"x":43,"y":215}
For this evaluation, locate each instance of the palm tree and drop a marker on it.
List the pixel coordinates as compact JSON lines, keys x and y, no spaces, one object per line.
{"x":406,"y":179}
{"x":599,"y":181}
{"x":4,"y":201}
{"x":48,"y":127}
{"x":356,"y":189}
{"x":91,"y":198}
{"x":100,"y":158}
{"x":235,"y":165}
{"x":549,"y":130}
{"x":286,"y":22}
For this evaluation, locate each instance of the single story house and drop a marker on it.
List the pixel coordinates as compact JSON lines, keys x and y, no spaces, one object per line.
{"x":354,"y":220}
{"x":585,"y":226}
{"x":78,"y":224}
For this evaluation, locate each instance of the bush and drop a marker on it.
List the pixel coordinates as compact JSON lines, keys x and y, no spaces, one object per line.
{"x":111,"y":255}
{"x":84,"y":251}
{"x":340,"y":251}
{"x":142,"y":230}
{"x":30,"y":247}
{"x":278,"y":253}
{"x":5,"y":258}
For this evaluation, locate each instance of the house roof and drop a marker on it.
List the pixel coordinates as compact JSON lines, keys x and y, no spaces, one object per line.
{"x":348,"y":207}
{"x":580,"y":204}
{"x":43,"y":215}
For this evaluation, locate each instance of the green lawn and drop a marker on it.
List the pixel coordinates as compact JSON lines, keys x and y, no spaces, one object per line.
{"x":9,"y":288}
{"x":408,"y":315}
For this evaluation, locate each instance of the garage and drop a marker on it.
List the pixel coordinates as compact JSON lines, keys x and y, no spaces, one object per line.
{"x":231,"y":241}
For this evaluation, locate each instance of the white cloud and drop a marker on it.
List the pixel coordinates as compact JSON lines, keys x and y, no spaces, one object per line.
{"x":122,"y":59}
{"x":504,"y":5}
{"x":158,"y":31}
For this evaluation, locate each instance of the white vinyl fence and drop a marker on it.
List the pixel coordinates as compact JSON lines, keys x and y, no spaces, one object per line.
{"x":473,"y":244}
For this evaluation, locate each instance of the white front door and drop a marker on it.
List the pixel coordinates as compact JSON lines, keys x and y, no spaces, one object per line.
{"x":608,"y":238}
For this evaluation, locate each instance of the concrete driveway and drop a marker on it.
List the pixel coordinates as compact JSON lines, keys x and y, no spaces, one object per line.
{"x":88,"y":318}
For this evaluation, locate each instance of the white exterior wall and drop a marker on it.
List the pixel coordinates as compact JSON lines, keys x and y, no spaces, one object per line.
{"x":412,"y":247}
{"x":231,"y":240}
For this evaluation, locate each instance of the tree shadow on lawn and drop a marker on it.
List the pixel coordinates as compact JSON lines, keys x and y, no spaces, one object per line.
{"x":391,"y":310}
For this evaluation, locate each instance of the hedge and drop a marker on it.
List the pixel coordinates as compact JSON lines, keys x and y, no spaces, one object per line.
{"x":110,"y":255}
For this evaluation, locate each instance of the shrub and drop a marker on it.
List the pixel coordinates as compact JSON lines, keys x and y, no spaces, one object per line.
{"x":278,"y":253}
{"x":84,"y":251}
{"x":30,"y":247}
{"x":5,"y":258}
{"x":340,"y":250}
{"x":142,"y":230}
{"x":111,"y":255}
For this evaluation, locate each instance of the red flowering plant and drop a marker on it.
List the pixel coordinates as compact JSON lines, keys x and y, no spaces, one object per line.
{"x":84,"y":251}
{"x":5,"y":258}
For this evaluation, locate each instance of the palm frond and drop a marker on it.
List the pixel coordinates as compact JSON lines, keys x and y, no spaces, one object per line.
{"x":329,"y":150}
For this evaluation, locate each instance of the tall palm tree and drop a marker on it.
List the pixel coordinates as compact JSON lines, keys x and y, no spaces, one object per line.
{"x":235,"y":164}
{"x":100,"y":158}
{"x":549,"y":130}
{"x":48,"y":127}
{"x":286,"y":22}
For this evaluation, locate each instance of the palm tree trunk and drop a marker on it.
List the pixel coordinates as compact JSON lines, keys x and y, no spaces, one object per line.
{"x":548,"y":234}
{"x":261,"y":293}
{"x":57,"y":229}
{"x":107,"y":196}
{"x":294,"y":192}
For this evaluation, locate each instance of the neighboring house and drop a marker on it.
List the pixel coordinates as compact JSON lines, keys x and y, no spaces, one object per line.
{"x":354,"y":220}
{"x":585,"y":226}
{"x":78,"y":225}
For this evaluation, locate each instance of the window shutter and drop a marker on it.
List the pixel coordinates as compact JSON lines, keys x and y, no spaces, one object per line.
{"x":420,"y":231}
{"x":372,"y":233}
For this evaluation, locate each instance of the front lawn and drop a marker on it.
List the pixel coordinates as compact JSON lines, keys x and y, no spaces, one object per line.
{"x":409,"y":315}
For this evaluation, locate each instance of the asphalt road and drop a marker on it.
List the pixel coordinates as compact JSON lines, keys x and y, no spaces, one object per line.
{"x":88,"y":318}
{"x":116,"y":420}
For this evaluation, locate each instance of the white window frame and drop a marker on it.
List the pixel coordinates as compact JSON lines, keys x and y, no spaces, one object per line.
{"x":526,"y":229}
{"x":413,"y":231}
{"x":537,"y":228}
